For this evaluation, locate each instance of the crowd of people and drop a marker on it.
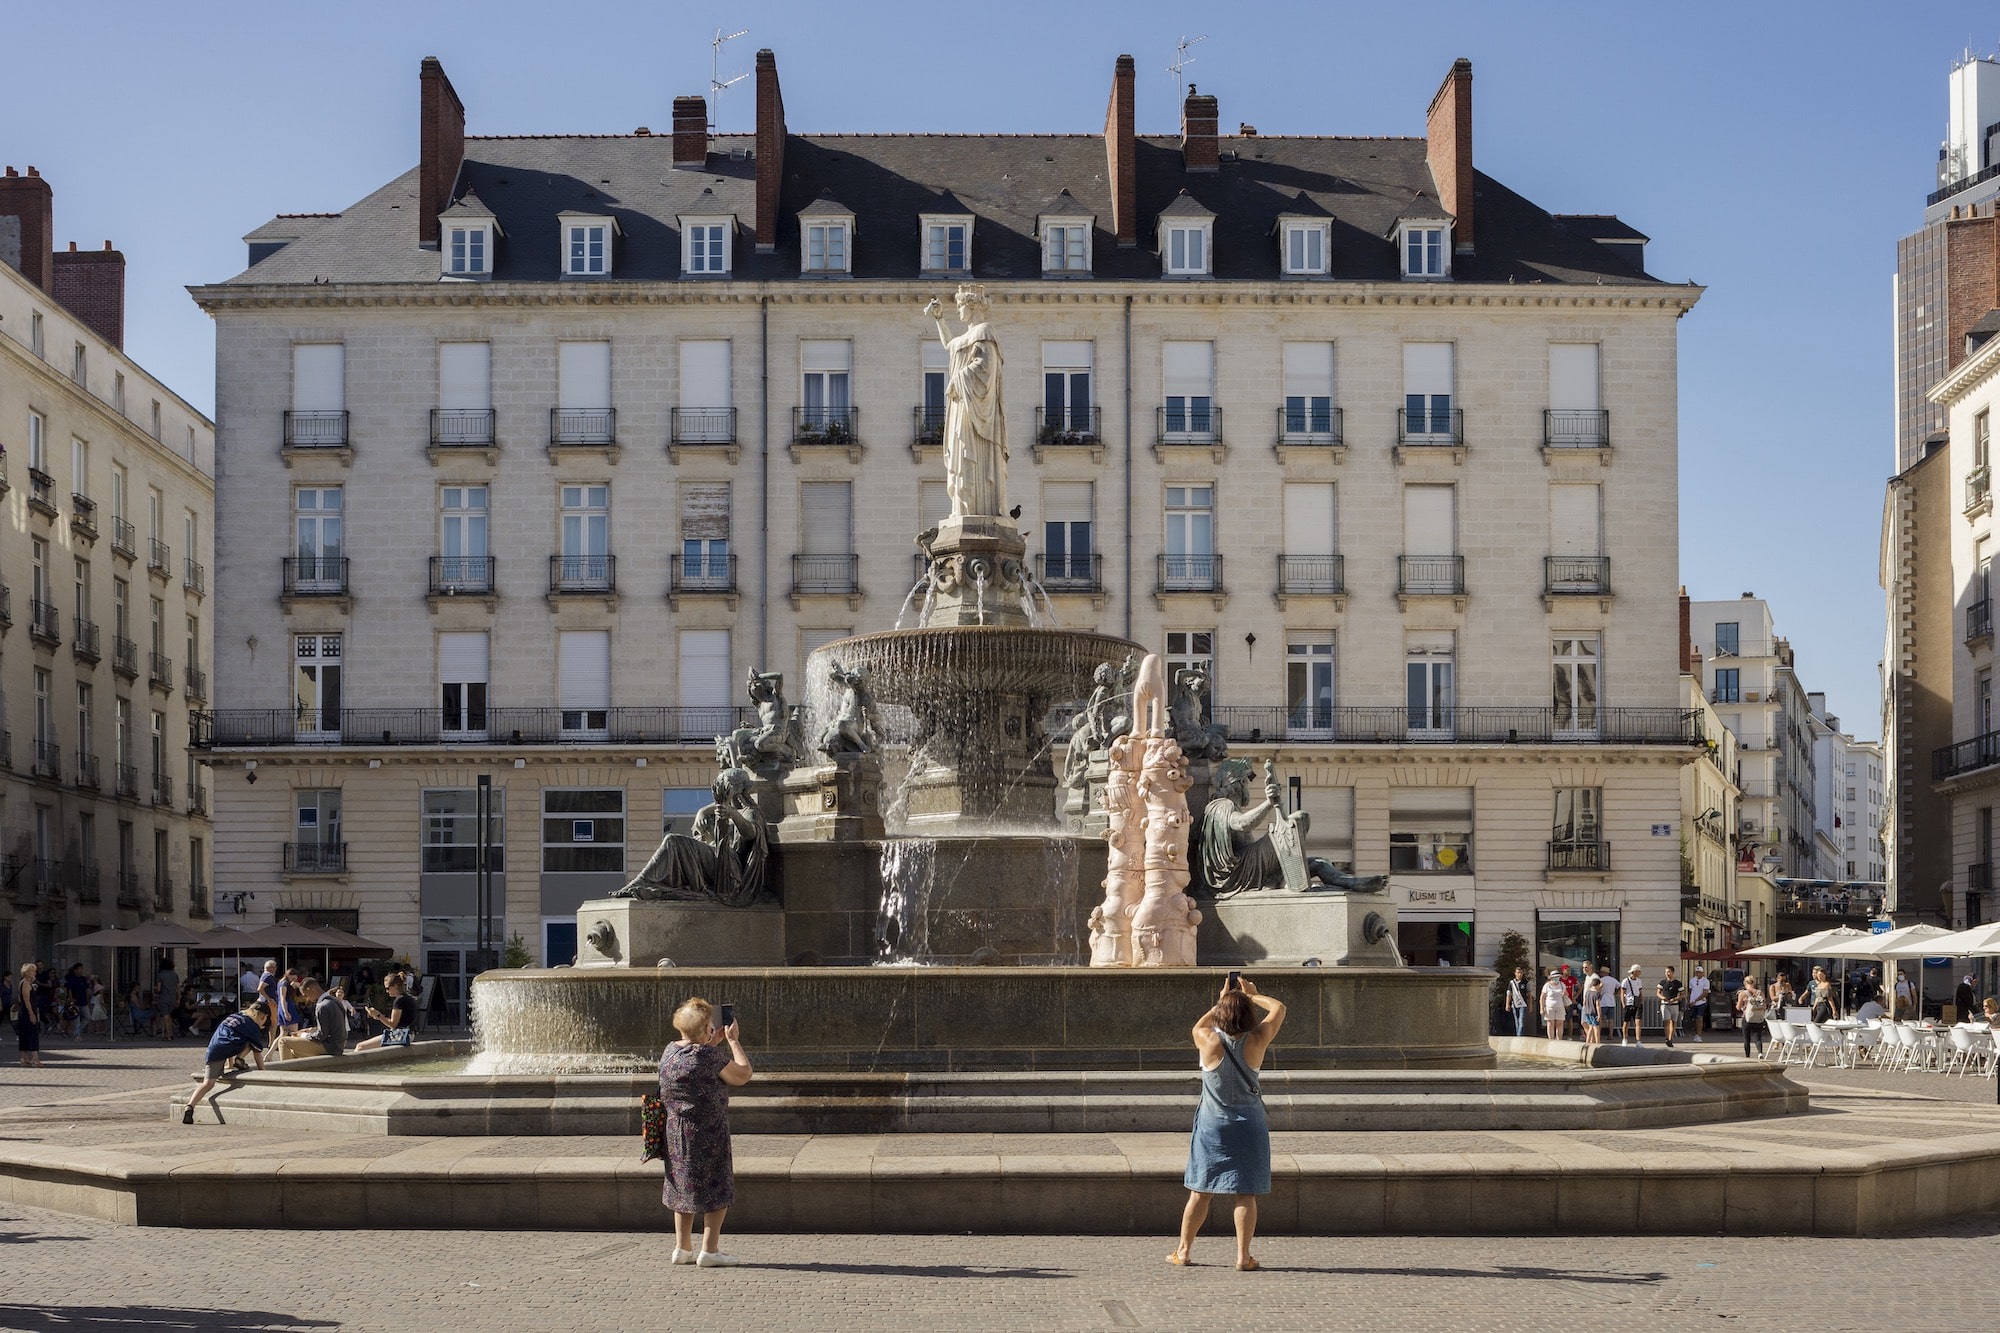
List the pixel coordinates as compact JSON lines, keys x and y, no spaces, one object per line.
{"x":1577,"y":1002}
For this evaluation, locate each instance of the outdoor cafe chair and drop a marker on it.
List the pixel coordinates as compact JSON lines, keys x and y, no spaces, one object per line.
{"x":1779,"y":1048}
{"x":1822,"y":1042}
{"x":1960,"y":1053}
{"x":1864,"y":1043}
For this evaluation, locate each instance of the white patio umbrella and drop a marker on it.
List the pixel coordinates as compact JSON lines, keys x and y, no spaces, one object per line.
{"x":1886,"y":946}
{"x":1979,"y":942}
{"x":1806,"y":946}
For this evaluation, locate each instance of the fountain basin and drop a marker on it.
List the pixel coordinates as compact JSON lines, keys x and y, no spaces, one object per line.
{"x":975,"y":1019}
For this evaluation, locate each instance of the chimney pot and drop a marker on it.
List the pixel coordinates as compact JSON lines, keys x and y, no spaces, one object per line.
{"x":72,"y":247}
{"x":33,"y":172}
{"x":12,"y":172}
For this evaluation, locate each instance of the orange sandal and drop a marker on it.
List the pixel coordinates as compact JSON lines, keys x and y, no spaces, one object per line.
{"x":1180,"y":1260}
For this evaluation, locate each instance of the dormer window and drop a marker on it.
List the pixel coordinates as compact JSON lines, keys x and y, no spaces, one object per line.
{"x":826,"y":237}
{"x":1305,"y":249}
{"x":587,"y":245}
{"x":947,"y":244}
{"x":1066,"y":247}
{"x":468,"y":251}
{"x":1186,"y":249}
{"x":1426,"y":248}
{"x":705,"y":246}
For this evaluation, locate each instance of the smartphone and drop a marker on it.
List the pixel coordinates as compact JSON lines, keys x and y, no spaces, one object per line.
{"x":728,"y":1015}
{"x":1235,"y":981}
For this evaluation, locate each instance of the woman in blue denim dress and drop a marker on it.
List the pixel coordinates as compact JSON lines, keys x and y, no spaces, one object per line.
{"x":1230,"y":1149}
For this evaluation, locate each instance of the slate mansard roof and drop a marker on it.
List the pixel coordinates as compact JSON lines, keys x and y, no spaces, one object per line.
{"x":1361,"y":186}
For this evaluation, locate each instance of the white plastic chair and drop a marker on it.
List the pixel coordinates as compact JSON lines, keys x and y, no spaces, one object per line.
{"x":1822,"y":1042}
{"x":1959,"y":1055}
{"x":1779,"y":1048}
{"x":1864,"y":1043}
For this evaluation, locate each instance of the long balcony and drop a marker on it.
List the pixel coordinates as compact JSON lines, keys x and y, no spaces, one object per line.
{"x":160,"y":671}
{"x":44,"y":622}
{"x":83,"y":644}
{"x":583,"y":427}
{"x":83,"y":516}
{"x":315,"y":858}
{"x":124,"y":657}
{"x":1966,"y":756}
{"x":195,"y":682}
{"x":826,"y":575}
{"x":314,"y":575}
{"x":1576,"y":575}
{"x":87,"y":771}
{"x":1979,"y":620}
{"x":124,"y":539}
{"x":194,"y":578}
{"x":583,"y":574}
{"x":456,"y":575}
{"x":1188,"y":573}
{"x":1465,"y":725}
{"x":1070,"y":573}
{"x":1312,"y":575}
{"x":827,"y":428}
{"x":461,"y":428}
{"x":1307,"y":426}
{"x":48,"y":760}
{"x":1579,"y":854}
{"x":261,"y":728}
{"x":320,"y":429}
{"x":712,"y":573}
{"x":1576,"y":428}
{"x":1430,"y":575}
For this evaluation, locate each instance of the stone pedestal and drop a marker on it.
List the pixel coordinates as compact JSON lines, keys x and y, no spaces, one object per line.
{"x":978,"y":572}
{"x":839,"y":801}
{"x":1084,"y":807}
{"x":1282,"y":926}
{"x":628,"y":932}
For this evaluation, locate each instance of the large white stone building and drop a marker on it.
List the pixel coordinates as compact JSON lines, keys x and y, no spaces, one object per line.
{"x":1848,"y":786}
{"x":529,"y":455}
{"x":107,"y":492}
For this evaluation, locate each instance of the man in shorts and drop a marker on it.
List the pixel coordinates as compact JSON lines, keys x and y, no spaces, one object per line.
{"x":1632,"y":1010}
{"x":1697,"y":1009}
{"x":1669,"y":991}
{"x":248,"y":1032}
{"x":1610,"y":995}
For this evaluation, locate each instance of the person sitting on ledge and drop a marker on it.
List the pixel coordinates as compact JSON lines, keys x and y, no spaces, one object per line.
{"x":328,"y":1036}
{"x":399,"y":1024}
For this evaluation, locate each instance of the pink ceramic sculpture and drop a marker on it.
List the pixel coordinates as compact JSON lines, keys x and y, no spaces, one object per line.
{"x":1147,"y":918}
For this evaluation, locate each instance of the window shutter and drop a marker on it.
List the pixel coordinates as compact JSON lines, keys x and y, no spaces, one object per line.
{"x":1427,"y":521}
{"x":1427,"y":368}
{"x":826,"y":355}
{"x":1309,"y":370}
{"x":583,"y":669}
{"x":1573,"y":376}
{"x":933,"y":504}
{"x":465,"y":378}
{"x":705,"y":511}
{"x":827,"y":514}
{"x":1066,"y":502}
{"x":705,"y":373}
{"x":462,"y":658}
{"x":705,"y":675}
{"x":1066,"y":355}
{"x":1188,"y":368}
{"x":319,"y":372}
{"x":1309,"y":518}
{"x":1573,"y":521}
{"x":935,"y":357}
{"x":583,"y":373}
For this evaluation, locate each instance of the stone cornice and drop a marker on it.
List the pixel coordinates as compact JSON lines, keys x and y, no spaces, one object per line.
{"x":1974,"y":371}
{"x":129,"y":431}
{"x":1352,"y":295}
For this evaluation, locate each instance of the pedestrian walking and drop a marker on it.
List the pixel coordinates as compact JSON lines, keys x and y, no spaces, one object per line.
{"x":1633,"y":1005}
{"x":1610,"y":1001}
{"x":1229,"y":1151}
{"x":1517,"y":1001}
{"x":695,"y":1078}
{"x":1555,"y":1004}
{"x":1697,"y":1003}
{"x":1754,"y":1006}
{"x":27,"y":1015}
{"x":1669,"y":990}
{"x":248,"y":1033}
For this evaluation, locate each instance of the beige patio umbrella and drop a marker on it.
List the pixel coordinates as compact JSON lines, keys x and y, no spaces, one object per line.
{"x":153,"y":934}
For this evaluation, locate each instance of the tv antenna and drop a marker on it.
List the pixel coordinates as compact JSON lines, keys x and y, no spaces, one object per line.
{"x":716,"y":83}
{"x":1182,"y":60}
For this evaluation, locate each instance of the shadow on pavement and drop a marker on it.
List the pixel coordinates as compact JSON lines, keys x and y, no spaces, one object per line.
{"x":905,"y":1270}
{"x":70,"y":1318}
{"x":1507,"y":1271}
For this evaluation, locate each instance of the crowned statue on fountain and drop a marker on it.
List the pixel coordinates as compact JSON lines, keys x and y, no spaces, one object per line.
{"x":975,"y":431}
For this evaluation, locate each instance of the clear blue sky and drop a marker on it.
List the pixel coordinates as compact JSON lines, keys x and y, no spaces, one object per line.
{"x":1774,"y":153}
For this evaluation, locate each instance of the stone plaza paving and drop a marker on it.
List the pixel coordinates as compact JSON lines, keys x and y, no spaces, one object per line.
{"x":60,"y":1271}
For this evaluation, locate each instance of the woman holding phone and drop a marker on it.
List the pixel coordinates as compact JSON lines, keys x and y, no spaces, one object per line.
{"x":1230,"y":1149}
{"x":695,"y":1079}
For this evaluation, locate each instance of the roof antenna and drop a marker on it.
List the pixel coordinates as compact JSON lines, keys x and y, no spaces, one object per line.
{"x":1181,"y":61}
{"x":716,"y":83}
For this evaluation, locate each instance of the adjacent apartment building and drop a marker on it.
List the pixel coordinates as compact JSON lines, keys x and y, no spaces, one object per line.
{"x":1847,"y":797}
{"x":107,"y":485}
{"x":532,"y":453}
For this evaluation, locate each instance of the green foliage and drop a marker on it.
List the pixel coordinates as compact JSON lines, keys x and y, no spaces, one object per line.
{"x":516,"y":953}
{"x":1513,"y":954}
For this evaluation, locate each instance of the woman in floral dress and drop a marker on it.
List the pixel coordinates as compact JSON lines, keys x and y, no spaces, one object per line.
{"x":695,"y":1078}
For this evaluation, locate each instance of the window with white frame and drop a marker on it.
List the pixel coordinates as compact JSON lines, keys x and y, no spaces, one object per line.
{"x":1188,"y":376}
{"x":1186,"y":246}
{"x":705,"y":249}
{"x":947,"y":245}
{"x":462,"y":671}
{"x":462,"y":542}
{"x":1308,"y":370}
{"x":586,"y":536}
{"x":468,"y":250}
{"x":1190,"y":521}
{"x":38,"y":442}
{"x":583,"y":683}
{"x":1308,"y":682}
{"x":451,"y":830}
{"x":825,"y":369}
{"x":1067,"y":399}
{"x":1577,"y":659}
{"x":1429,"y":662}
{"x":1066,"y":246}
{"x":35,"y":336}
{"x":316,"y":818}
{"x":317,"y":660}
{"x":705,"y":534}
{"x":1305,"y":248}
{"x":1579,"y":821}
{"x":1430,"y":830}
{"x":317,"y":520}
{"x":826,"y":246}
{"x":1426,"y":251}
{"x":79,"y":366}
{"x":936,"y":363}
{"x":583,"y":831}
{"x":1069,"y":548}
{"x":118,"y":391}
{"x":1188,"y":648}
{"x":1427,"y":390}
{"x":586,"y":247}
{"x":153,"y":420}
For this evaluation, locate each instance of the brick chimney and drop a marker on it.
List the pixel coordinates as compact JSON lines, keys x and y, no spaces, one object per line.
{"x":1448,"y":147}
{"x":1972,"y":276}
{"x":1690,"y":659}
{"x":1200,"y":116}
{"x":91,"y":285}
{"x":770,"y":150}
{"x":442,"y":147}
{"x":691,"y":132}
{"x":1121,"y":153}
{"x":27,"y":226}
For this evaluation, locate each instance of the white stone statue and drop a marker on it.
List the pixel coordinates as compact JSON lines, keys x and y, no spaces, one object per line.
{"x":975,"y":432}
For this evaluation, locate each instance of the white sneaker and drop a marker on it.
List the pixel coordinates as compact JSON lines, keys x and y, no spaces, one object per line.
{"x":682,"y":1256}
{"x":715,"y":1259}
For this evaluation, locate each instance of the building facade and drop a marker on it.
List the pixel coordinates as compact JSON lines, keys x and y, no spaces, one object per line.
{"x":107,"y":484}
{"x":533,"y":453}
{"x":1848,"y":796}
{"x":1714,"y":913}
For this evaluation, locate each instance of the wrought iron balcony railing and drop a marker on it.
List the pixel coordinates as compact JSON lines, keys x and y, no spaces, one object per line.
{"x":194,"y":578}
{"x":315,"y":429}
{"x":1482,"y":724}
{"x":1978,"y":486}
{"x":315,"y":858}
{"x":124,"y":657}
{"x":1188,"y":425}
{"x":44,"y":622}
{"x":461,"y":427}
{"x":314,"y":575}
{"x":128,"y":781}
{"x":1966,"y":756}
{"x":163,"y":893}
{"x":160,"y":670}
{"x":1068,"y":427}
{"x":41,"y":492}
{"x":1979,"y":620}
{"x":198,"y":798}
{"x":1576,"y":428}
{"x":1430,"y":575}
{"x":826,"y":573}
{"x":88,"y":883}
{"x":83,"y":644}
{"x":128,"y":889}
{"x":124,"y":538}
{"x":87,"y":771}
{"x":1309,"y":575}
{"x":159,"y":558}
{"x":83,"y":515}
{"x":583,"y":426}
{"x":1311,"y":425}
{"x":1579,"y":854}
{"x":583,"y":573}
{"x":1070,"y":573}
{"x":1576,"y":574}
{"x":1188,"y":573}
{"x":264,"y":728}
{"x":163,"y":789}
{"x":454,"y":574}
{"x":929,"y":427}
{"x":198,"y":901}
{"x":195,"y":681}
{"x":48,"y":760}
{"x":702,"y":425}
{"x":1437,"y":426}
{"x":832,"y":426}
{"x":701,"y":573}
